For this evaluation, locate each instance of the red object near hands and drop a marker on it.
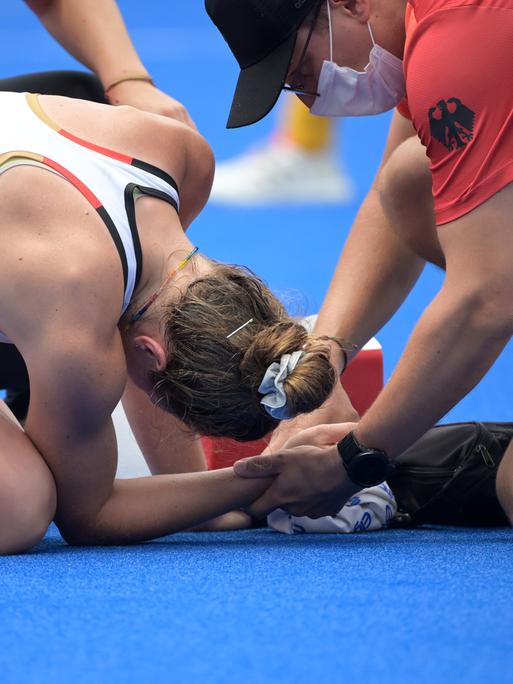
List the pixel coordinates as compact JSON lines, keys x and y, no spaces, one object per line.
{"x":362,"y":380}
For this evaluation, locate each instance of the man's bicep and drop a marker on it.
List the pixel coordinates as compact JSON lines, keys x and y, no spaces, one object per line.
{"x":479,"y":245}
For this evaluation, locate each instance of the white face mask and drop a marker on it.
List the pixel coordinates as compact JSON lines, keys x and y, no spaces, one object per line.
{"x":346,"y":92}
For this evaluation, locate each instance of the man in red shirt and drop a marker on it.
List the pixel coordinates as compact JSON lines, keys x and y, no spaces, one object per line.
{"x":443,"y":193}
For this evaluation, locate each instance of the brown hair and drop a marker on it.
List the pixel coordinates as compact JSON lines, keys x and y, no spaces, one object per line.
{"x":211,"y":381}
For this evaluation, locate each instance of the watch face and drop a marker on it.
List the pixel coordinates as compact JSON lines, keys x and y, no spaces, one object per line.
{"x":369,"y":468}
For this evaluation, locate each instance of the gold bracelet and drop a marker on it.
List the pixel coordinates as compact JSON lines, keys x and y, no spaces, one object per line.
{"x":131,"y":77}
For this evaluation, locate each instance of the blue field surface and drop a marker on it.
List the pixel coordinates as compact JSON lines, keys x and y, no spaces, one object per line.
{"x":428,"y":606}
{"x":398,"y":606}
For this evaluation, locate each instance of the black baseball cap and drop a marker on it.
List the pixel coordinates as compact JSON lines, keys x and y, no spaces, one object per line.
{"x":262,"y":35}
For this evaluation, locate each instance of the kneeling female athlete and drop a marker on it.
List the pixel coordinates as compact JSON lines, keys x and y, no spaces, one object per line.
{"x":100,"y":301}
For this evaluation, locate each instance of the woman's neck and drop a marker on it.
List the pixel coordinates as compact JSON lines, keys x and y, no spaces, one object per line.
{"x":166,"y":284}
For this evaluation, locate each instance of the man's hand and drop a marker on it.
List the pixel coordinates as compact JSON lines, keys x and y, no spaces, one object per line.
{"x":337,"y":409}
{"x":310,"y":480}
{"x":319,"y":436}
{"x":145,"y":96}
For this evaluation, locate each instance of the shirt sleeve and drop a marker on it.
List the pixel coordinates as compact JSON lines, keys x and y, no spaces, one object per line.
{"x":460,"y":100}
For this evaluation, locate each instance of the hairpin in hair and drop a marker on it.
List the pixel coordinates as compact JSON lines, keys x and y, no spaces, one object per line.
{"x":239,"y":328}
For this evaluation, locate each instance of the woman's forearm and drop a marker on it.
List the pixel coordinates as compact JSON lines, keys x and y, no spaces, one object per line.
{"x":150,"y":507}
{"x":94,"y":33}
{"x":167,"y":444}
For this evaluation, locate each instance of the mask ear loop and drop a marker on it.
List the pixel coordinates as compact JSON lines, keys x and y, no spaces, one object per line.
{"x":371,"y":34}
{"x":330,"y":29}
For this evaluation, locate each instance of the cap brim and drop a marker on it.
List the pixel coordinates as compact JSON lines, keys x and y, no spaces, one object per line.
{"x":259,"y":86}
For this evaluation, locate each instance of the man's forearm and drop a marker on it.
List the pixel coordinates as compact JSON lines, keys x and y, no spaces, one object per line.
{"x":94,"y":32}
{"x":375,"y":274}
{"x":149,"y":507}
{"x":454,"y":344}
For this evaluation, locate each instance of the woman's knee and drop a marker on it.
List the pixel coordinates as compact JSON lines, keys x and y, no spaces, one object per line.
{"x":28,"y":496}
{"x":27,"y":508}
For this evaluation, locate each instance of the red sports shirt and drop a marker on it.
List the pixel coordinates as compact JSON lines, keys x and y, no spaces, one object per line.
{"x":458,"y":64}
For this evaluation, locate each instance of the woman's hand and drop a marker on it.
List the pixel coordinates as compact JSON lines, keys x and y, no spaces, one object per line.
{"x":143,"y":95}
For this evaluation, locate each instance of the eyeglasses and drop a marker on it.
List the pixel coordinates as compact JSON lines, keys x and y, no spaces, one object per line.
{"x":298,"y":87}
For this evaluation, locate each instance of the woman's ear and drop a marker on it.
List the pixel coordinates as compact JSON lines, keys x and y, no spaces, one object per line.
{"x":152,"y":351}
{"x":357,"y":9}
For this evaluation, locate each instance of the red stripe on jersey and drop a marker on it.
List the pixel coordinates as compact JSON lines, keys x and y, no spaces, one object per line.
{"x":97,"y":148}
{"x":90,"y":196}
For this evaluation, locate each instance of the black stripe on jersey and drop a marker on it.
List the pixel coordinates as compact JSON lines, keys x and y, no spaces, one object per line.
{"x":130,"y":212}
{"x":117,"y":241}
{"x":156,"y":172}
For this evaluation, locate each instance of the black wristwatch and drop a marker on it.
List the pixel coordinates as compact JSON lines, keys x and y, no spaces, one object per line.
{"x":365,"y":467}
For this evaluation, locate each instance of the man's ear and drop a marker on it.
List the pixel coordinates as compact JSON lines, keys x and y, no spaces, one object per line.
{"x":358,"y":9}
{"x":154,"y":352}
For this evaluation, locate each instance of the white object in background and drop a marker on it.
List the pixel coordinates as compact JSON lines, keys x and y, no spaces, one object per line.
{"x":367,"y":511}
{"x":131,"y":462}
{"x":309,"y":322}
{"x":280,"y":172}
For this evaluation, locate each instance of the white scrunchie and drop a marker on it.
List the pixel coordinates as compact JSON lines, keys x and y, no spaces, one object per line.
{"x":275,"y":399}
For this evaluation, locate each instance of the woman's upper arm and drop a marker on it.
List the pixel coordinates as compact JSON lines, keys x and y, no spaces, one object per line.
{"x":74,"y":389}
{"x":39,"y":6}
{"x":198,"y":176}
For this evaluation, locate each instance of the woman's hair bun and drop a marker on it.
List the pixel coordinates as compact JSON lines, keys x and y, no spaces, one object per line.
{"x":212,"y":376}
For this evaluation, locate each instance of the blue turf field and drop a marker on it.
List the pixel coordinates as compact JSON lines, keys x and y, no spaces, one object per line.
{"x":427,"y":606}
{"x":398,"y":606}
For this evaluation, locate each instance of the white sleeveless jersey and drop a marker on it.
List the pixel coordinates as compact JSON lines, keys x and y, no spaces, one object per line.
{"x":109,"y":180}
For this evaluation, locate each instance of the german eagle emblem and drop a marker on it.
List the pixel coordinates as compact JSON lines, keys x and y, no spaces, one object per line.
{"x":451,"y":123}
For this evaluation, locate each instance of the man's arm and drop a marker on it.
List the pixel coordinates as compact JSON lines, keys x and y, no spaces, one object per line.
{"x":94,"y":33}
{"x":460,"y":334}
{"x":374,"y":275}
{"x":455,"y":342}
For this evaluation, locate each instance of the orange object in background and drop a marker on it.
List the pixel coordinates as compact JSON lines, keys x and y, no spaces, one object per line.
{"x":362,"y":380}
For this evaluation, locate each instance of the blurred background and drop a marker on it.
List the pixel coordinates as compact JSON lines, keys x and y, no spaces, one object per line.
{"x":293,"y":245}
